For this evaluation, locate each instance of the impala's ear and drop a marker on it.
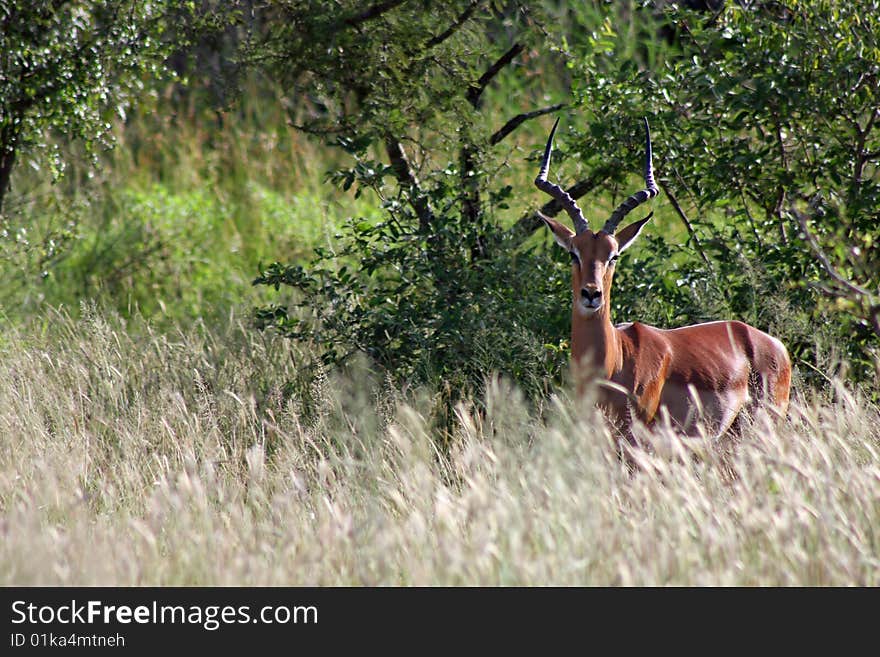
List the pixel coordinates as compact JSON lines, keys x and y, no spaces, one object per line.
{"x":562,"y":234}
{"x":626,"y":236}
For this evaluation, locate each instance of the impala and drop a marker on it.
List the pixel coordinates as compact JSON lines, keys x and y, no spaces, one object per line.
{"x":705,"y":372}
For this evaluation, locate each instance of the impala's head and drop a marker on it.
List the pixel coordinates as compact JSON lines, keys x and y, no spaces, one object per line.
{"x":593,"y":254}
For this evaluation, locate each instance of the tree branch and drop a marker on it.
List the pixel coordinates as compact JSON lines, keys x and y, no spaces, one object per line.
{"x":861,"y":156}
{"x":469,"y":157}
{"x":855,"y":293}
{"x":452,"y":29}
{"x":874,"y":317}
{"x":780,"y":192}
{"x":406,"y":178}
{"x":752,"y":224}
{"x":685,"y":221}
{"x":372,"y":12}
{"x":474,"y":93}
{"x":824,"y":260}
{"x":519,"y":119}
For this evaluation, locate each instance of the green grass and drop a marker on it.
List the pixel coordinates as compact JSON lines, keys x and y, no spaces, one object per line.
{"x":130,"y":456}
{"x":178,"y":217}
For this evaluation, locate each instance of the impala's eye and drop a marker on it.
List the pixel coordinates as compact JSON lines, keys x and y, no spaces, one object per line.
{"x":574,"y":258}
{"x":613,"y":258}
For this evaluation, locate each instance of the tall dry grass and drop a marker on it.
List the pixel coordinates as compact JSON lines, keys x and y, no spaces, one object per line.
{"x":129,"y":457}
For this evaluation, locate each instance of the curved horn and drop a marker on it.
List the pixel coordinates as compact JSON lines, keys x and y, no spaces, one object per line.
{"x":638,"y":198}
{"x":565,"y":200}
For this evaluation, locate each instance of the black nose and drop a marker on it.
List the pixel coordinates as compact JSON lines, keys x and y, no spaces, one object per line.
{"x":589,"y":294}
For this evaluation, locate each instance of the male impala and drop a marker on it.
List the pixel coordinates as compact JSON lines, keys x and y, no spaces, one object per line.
{"x":703,"y":372}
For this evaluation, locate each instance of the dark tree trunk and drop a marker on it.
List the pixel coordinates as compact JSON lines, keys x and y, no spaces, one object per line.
{"x":407,"y":179}
{"x":469,"y":160}
{"x":7,"y":161}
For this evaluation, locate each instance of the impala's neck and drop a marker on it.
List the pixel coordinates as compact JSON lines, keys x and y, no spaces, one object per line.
{"x":595,"y":343}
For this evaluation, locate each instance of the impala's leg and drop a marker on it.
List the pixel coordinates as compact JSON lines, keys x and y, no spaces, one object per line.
{"x":619,"y":418}
{"x":649,"y":400}
{"x":732,"y":402}
{"x":649,"y":393}
{"x":772,"y":373}
{"x":706,"y":411}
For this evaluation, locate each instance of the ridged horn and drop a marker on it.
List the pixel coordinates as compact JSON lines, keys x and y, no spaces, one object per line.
{"x":564,"y":198}
{"x":640,"y":197}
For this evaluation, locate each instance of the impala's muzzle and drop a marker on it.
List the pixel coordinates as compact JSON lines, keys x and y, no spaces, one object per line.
{"x":591,"y":297}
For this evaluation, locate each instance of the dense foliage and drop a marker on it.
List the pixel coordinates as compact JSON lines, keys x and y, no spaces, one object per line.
{"x":435,"y":291}
{"x":767,"y":143}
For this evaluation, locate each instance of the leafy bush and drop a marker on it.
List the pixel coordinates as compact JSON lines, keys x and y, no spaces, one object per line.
{"x":423,"y":307}
{"x":435,"y":291}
